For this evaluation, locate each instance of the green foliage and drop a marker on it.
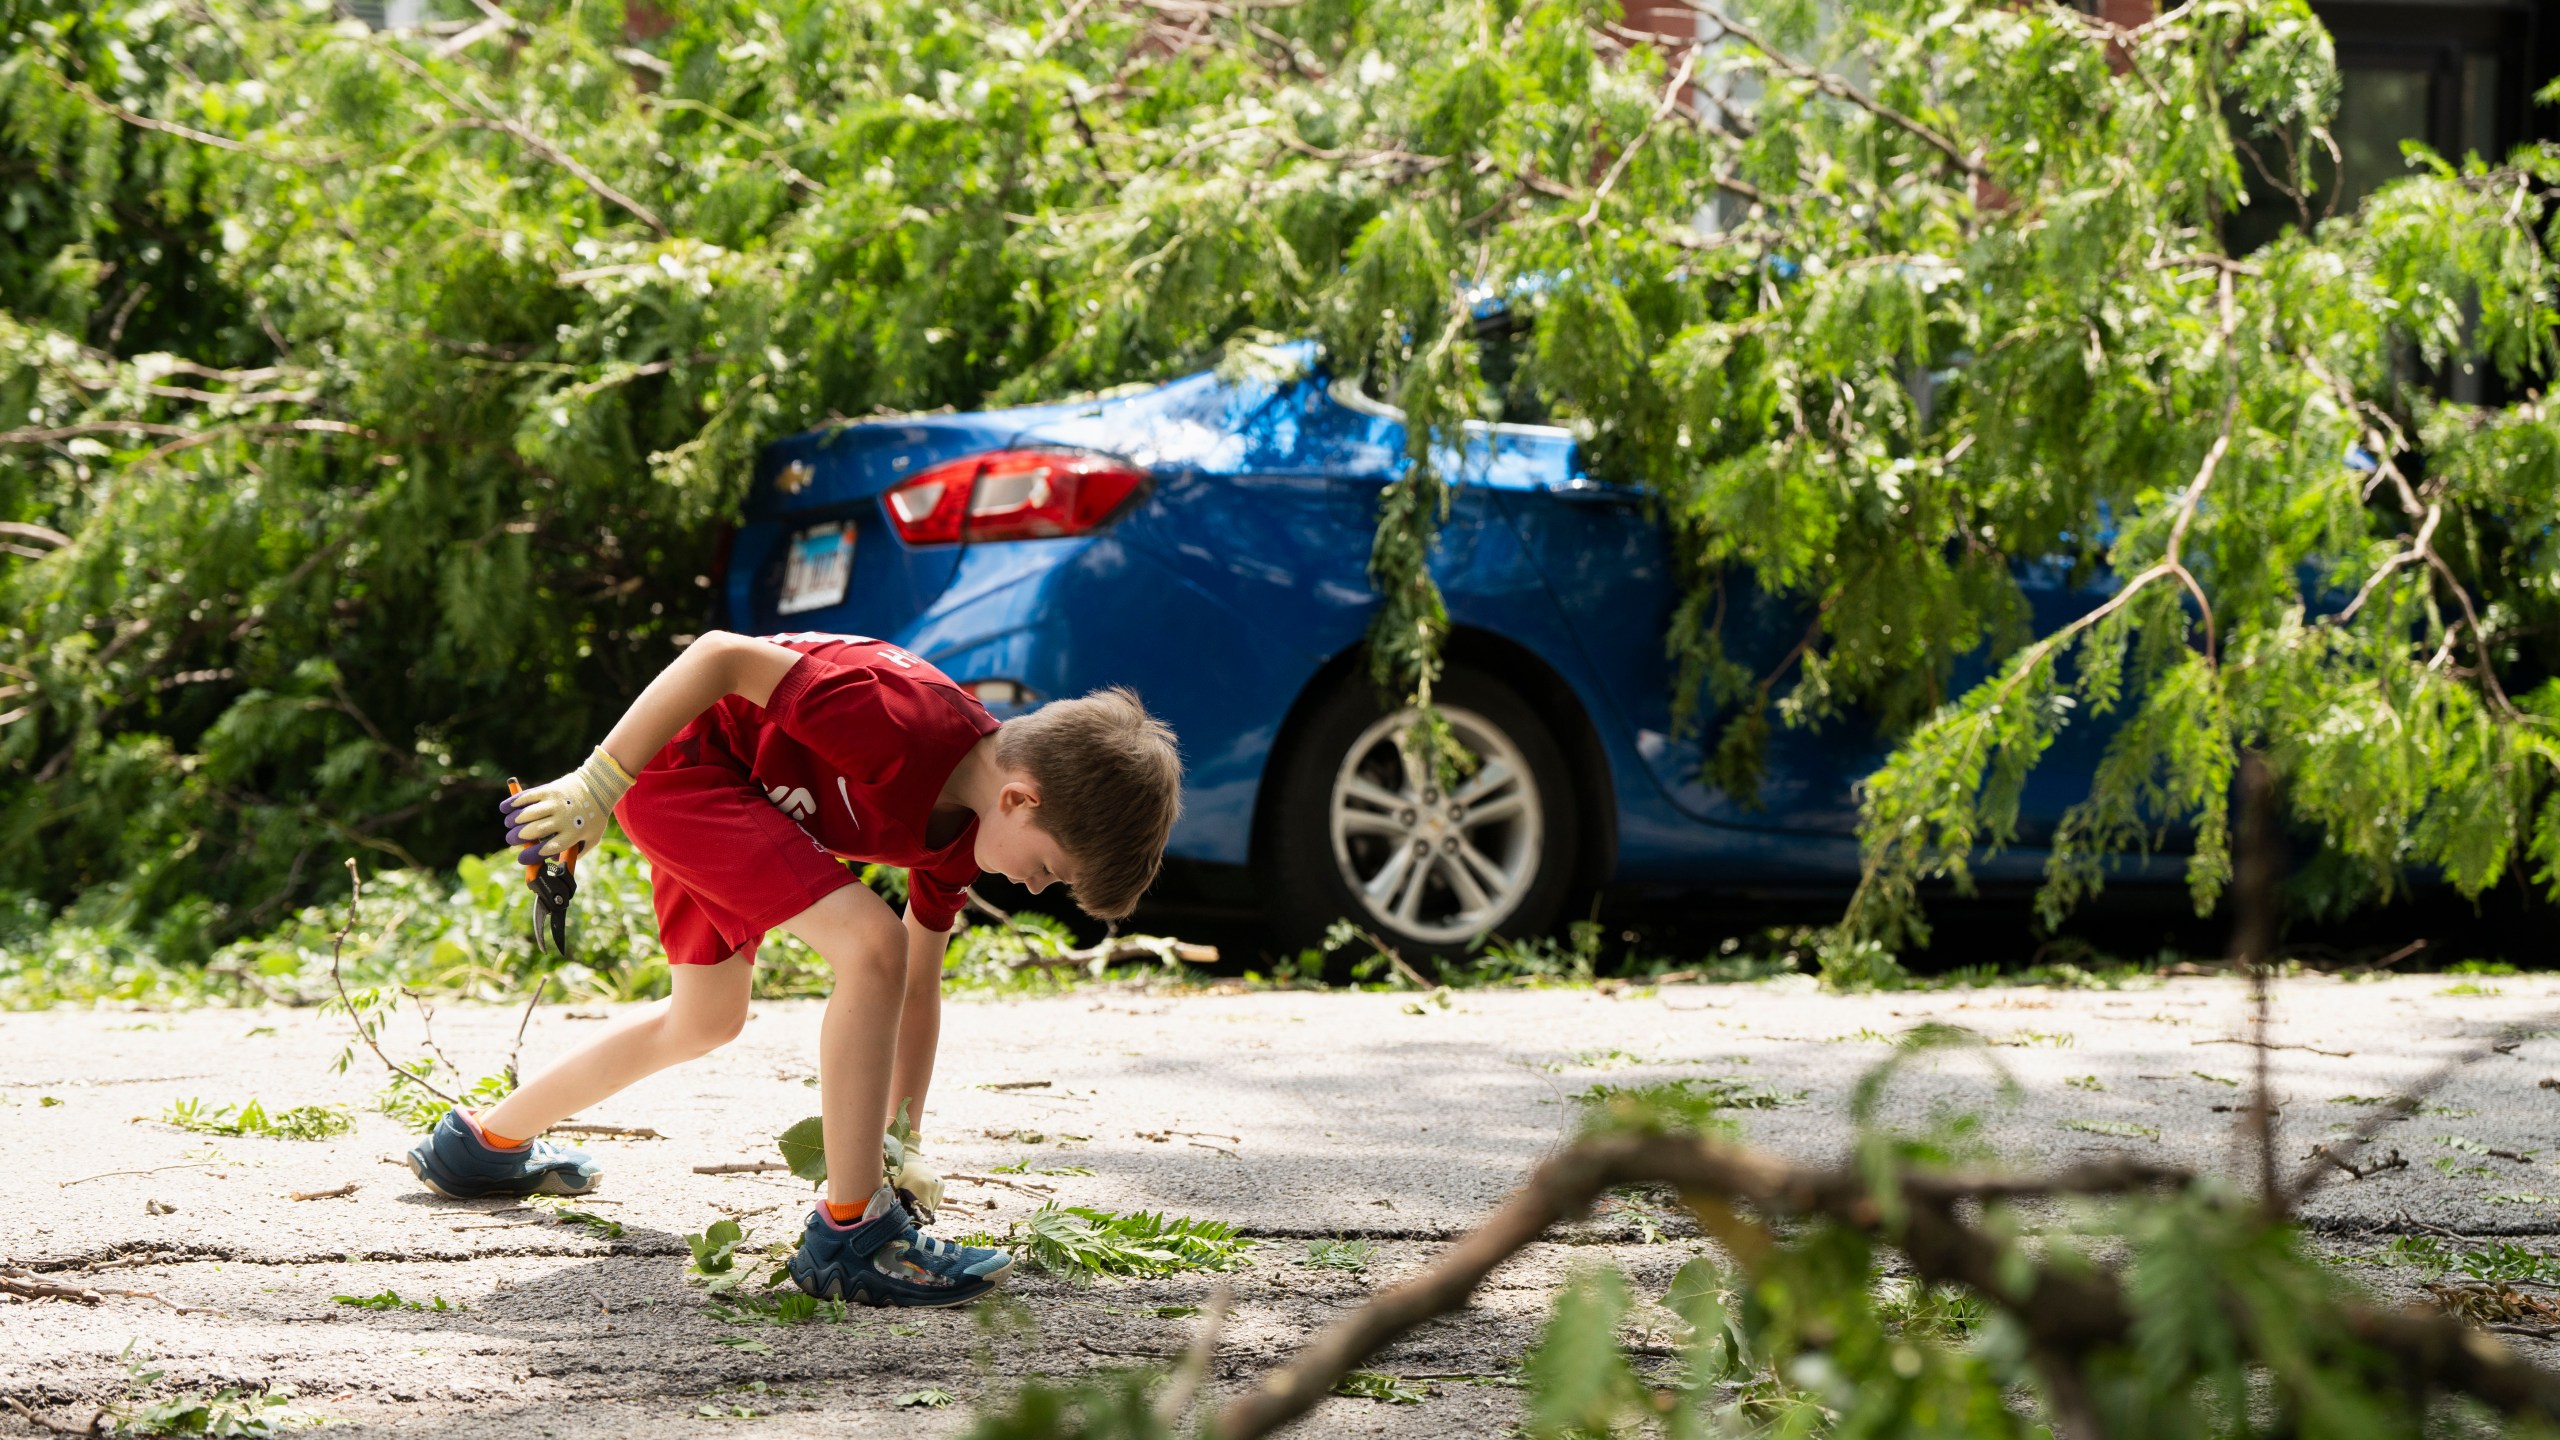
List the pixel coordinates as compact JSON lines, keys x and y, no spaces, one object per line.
{"x":302,"y":1122}
{"x":420,"y":1111}
{"x":1114,"y":1405}
{"x":1696,"y":1103}
{"x":715,"y":1250}
{"x":1539,"y":958}
{"x":601,"y":1227}
{"x":390,"y":1300}
{"x":1351,"y":1255}
{"x":1387,"y":1389}
{"x":1080,"y":1242}
{"x":1579,"y":1378}
{"x":384,"y":459}
{"x":804,"y":1149}
{"x":459,"y":933}
{"x":2114,"y":1129}
{"x":784,"y":1308}
{"x":1851,"y":963}
{"x":228,"y":1412}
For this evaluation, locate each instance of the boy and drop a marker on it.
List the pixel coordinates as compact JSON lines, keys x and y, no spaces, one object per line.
{"x":747,"y":773}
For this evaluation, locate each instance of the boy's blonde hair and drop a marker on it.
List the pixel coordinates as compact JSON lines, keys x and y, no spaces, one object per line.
{"x":1110,"y":783}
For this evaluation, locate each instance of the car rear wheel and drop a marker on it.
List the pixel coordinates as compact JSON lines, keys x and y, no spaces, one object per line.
{"x":1364,"y":830}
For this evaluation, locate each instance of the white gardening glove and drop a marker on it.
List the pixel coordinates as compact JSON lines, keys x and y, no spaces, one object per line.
{"x":918,"y":1178}
{"x":572,"y":810}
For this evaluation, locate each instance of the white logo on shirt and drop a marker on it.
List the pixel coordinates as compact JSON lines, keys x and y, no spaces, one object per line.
{"x":847,"y":796}
{"x":794,"y":801}
{"x":899,"y":658}
{"x":820,"y":637}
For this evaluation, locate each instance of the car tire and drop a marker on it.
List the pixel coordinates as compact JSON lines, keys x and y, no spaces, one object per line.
{"x":1497,"y":854}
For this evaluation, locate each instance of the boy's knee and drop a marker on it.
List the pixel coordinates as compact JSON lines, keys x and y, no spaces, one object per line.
{"x":701,"y":1032}
{"x":876,"y":942}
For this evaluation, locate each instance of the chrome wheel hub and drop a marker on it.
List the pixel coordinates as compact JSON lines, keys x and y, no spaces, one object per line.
{"x":1433,"y":865}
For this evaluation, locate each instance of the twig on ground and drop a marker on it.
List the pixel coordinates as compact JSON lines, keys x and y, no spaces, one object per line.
{"x":2272,"y":1045}
{"x":744,"y":1167}
{"x":2403,"y":1105}
{"x":627,"y":1132}
{"x":1396,"y":961}
{"x":2392,"y":1161}
{"x":154,"y":1170}
{"x":56,"y":1426}
{"x":28,"y":1287}
{"x":1017,"y":1085}
{"x":340,"y":1193}
{"x":1025,"y":1188}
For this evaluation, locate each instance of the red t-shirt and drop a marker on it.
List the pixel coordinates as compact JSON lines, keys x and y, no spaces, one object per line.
{"x":855,"y":744}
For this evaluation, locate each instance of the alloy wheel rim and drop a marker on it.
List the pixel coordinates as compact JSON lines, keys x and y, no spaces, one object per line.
{"x":1440,"y":867}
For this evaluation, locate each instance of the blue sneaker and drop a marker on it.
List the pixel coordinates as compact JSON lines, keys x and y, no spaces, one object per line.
{"x":882,"y":1259}
{"x":456,"y":1163}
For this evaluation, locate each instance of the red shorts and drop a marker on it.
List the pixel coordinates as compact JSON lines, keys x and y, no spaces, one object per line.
{"x":725,"y":865}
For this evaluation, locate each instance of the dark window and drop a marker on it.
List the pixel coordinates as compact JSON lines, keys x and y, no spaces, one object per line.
{"x":2457,"y":77}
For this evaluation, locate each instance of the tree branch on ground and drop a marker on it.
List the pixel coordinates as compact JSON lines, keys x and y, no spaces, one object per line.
{"x":2067,"y":1313}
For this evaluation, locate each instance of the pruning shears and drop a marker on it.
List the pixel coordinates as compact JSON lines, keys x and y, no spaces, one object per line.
{"x":554,"y":884}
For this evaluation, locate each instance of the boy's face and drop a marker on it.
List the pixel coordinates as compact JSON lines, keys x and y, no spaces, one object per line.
{"x":1012,"y":845}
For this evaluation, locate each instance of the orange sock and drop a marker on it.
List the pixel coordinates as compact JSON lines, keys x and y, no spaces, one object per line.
{"x":492,"y":1138}
{"x":842,"y":1214}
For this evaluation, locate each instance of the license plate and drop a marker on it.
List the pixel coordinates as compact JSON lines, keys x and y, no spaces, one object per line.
{"x":819,"y":570}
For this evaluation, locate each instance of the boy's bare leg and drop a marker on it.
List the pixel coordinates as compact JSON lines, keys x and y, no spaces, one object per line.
{"x":865,"y":943}
{"x":707,"y":1010}
{"x":919,"y":1025}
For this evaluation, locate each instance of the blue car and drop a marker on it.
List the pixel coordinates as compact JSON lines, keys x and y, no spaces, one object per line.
{"x":1206,"y":541}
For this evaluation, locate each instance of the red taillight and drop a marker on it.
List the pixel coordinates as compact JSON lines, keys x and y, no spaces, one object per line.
{"x":1011,"y":495}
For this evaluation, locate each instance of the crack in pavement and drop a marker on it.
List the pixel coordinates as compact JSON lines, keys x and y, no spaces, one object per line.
{"x":171,"y":1253}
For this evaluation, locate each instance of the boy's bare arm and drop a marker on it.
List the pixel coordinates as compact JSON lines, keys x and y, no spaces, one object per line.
{"x":919,"y":1019}
{"x":575,"y":808}
{"x":713,"y":667}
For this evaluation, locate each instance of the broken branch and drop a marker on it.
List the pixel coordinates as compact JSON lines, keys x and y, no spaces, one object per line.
{"x":364,"y":1030}
{"x":2272,"y":1045}
{"x":55,"y":1426}
{"x":530,"y":141}
{"x":1833,"y":85}
{"x":2392,"y":1161}
{"x":2069,"y":1313}
{"x":1626,"y":157}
